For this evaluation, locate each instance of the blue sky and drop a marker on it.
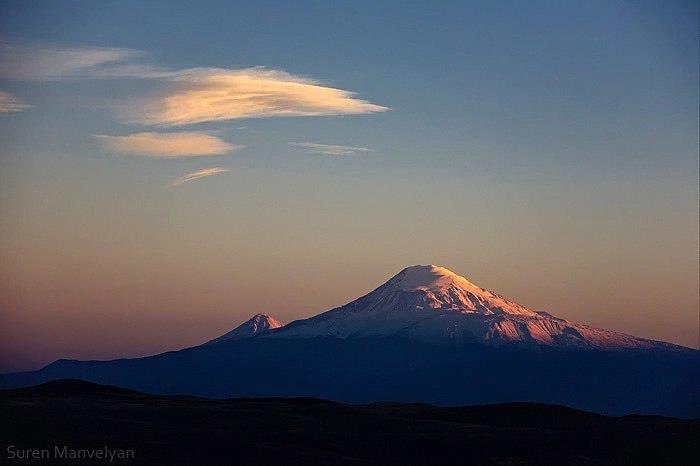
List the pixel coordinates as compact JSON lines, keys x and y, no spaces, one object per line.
{"x":532,"y":88}
{"x":547,"y":150}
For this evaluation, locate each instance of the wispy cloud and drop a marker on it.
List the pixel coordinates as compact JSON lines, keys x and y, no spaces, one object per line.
{"x":201,"y":95}
{"x":330,"y":149}
{"x":199,"y":174}
{"x":167,"y":145}
{"x":41,"y":62}
{"x":10,"y":103}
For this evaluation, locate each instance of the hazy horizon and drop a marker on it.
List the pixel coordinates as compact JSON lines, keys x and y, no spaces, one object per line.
{"x":161,"y":186}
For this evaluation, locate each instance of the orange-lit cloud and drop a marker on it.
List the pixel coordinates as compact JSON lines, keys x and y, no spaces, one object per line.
{"x":165,"y":145}
{"x":191,"y":95}
{"x":330,"y":149}
{"x":200,"y":95}
{"x":204,"y":172}
{"x":41,"y":62}
{"x":10,"y":103}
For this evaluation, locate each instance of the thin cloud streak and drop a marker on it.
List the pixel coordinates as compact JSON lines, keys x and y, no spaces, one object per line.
{"x":199,"y":174}
{"x":11,"y":104}
{"x":202,"y":95}
{"x":42,"y":62}
{"x":167,"y":145}
{"x":330,"y":149}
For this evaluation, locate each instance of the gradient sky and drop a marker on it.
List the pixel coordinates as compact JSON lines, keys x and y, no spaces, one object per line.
{"x":168,"y":169}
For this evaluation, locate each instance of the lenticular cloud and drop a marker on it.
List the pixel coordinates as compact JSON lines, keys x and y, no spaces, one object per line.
{"x":167,"y":145}
{"x":203,"y":95}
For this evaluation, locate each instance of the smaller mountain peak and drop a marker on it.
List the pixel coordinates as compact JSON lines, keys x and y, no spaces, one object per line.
{"x":260,"y":322}
{"x":250,"y":328}
{"x":263,"y":318}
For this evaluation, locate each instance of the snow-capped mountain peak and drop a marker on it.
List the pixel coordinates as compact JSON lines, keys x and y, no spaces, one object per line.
{"x":425,"y":277}
{"x":432,"y":304}
{"x":435,"y":287}
{"x":257,"y":324}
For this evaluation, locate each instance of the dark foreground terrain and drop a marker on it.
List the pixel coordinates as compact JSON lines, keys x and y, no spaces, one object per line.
{"x":306,"y":431}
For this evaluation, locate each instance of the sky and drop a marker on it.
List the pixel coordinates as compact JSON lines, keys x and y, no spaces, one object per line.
{"x":168,"y":169}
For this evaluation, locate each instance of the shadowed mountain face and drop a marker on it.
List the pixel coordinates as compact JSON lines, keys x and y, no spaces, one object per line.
{"x":364,"y":370}
{"x":307,"y":431}
{"x":427,"y":335}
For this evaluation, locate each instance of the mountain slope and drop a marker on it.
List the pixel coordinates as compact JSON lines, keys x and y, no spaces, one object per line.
{"x":363,"y":370}
{"x":433,"y":304}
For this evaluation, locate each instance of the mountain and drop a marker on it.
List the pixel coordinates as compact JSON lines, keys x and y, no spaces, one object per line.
{"x":257,"y":324}
{"x":435,"y":305}
{"x":427,"y":335}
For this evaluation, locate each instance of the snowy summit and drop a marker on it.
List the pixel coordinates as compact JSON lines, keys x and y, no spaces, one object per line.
{"x":433,"y":304}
